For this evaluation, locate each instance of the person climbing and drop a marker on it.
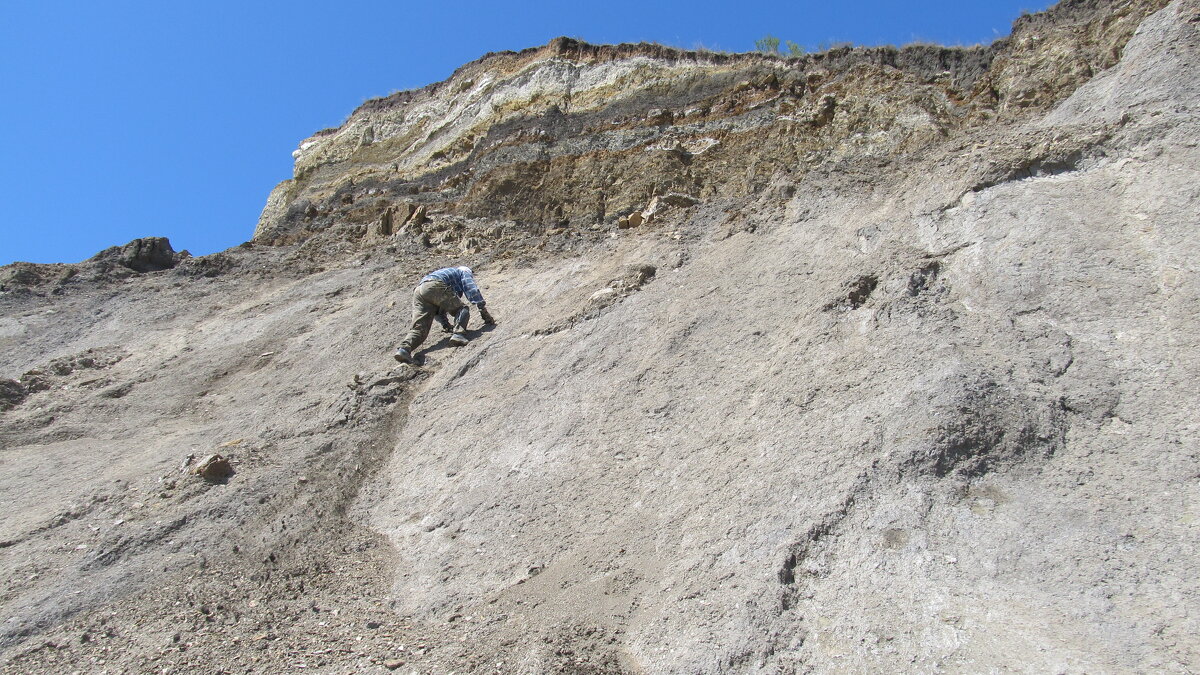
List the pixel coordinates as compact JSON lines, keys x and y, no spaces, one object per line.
{"x":438,"y":295}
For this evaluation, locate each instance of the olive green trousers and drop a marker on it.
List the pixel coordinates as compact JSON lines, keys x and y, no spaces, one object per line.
{"x":429,"y":299}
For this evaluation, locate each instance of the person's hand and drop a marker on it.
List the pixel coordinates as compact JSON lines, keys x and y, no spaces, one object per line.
{"x":487,"y":316}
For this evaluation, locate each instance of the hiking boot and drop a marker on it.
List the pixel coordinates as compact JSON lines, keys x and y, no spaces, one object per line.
{"x":403,"y":356}
{"x":458,"y":339}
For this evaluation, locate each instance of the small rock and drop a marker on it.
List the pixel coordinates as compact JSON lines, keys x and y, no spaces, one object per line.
{"x":119,"y":391}
{"x":655,"y":205}
{"x":214,"y":468}
{"x":372,"y":624}
{"x":392,"y":664}
{"x":635,"y":219}
{"x":35,"y":380}
{"x":12,"y":393}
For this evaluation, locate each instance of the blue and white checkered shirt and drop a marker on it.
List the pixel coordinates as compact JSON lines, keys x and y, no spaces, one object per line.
{"x":460,"y":280}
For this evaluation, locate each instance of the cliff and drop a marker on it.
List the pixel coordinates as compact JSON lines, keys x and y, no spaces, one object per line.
{"x":892,"y":369}
{"x":573,"y":136}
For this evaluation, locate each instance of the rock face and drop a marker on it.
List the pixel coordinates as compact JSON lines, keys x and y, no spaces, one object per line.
{"x":900,"y":378}
{"x":576,"y":134}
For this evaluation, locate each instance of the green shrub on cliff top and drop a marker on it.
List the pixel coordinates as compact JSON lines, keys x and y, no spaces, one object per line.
{"x":769,"y":44}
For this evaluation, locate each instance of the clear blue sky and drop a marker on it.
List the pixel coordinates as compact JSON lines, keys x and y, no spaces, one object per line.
{"x":124,"y":119}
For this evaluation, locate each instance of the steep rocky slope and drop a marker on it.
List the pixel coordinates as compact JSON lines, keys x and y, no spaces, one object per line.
{"x":901,"y":382}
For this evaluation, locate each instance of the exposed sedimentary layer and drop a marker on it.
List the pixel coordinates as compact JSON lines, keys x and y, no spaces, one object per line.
{"x":575,"y":135}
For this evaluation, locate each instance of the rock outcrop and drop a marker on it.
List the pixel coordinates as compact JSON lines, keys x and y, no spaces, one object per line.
{"x":895,"y":372}
{"x":149,"y":254}
{"x":576,"y":135}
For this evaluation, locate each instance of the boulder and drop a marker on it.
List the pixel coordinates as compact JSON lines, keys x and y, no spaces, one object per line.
{"x":652,"y":209}
{"x":386,"y":223}
{"x":148,"y":254}
{"x":419,"y":216}
{"x":214,"y":468}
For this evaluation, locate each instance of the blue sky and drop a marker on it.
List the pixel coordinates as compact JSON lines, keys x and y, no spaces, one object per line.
{"x":125,"y":119}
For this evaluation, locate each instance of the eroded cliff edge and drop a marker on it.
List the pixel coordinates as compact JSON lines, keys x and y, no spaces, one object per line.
{"x":573,"y":136}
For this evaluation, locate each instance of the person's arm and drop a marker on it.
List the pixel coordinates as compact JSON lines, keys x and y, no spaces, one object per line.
{"x":470,"y":289}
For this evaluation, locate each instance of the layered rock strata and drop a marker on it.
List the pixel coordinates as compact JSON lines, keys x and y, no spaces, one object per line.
{"x":572,"y":135}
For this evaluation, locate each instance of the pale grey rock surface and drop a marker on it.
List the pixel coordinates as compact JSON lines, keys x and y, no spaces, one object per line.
{"x":742,"y":469}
